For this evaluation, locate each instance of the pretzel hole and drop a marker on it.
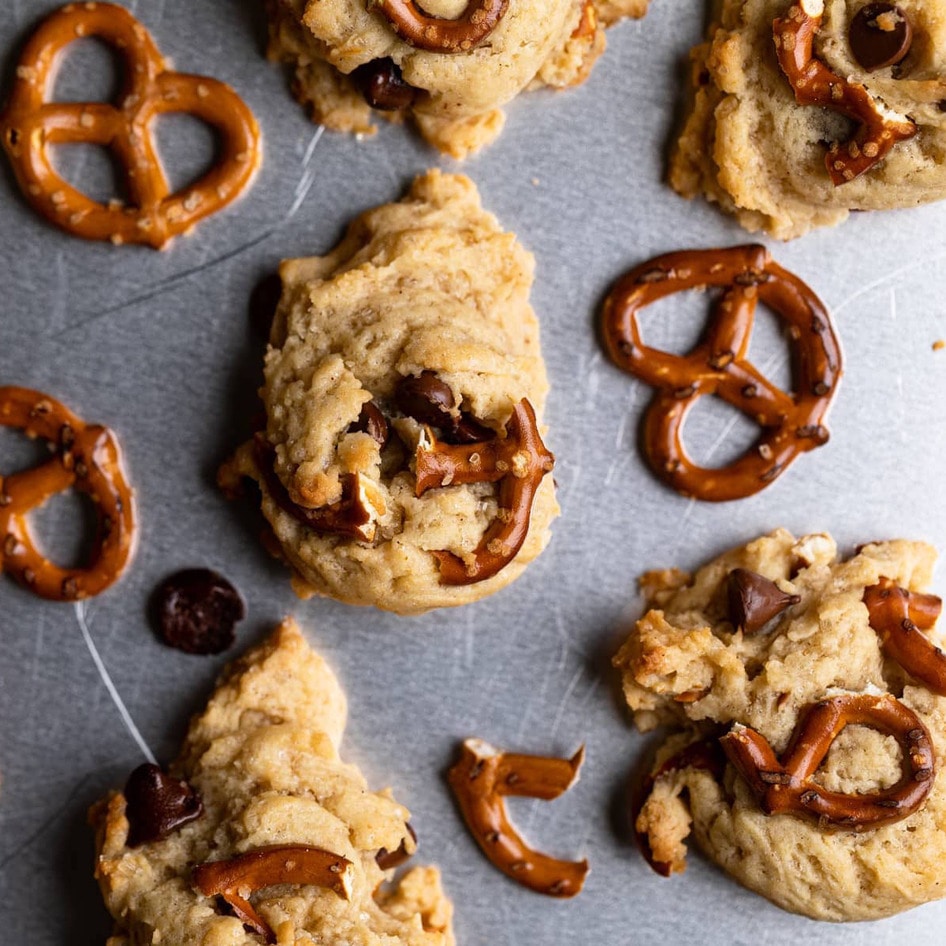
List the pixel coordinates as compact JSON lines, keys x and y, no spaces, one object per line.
{"x":93,"y":170}
{"x":18,"y":452}
{"x":64,"y":528}
{"x":862,"y":760}
{"x":716,"y":434}
{"x":675,"y":324}
{"x":188,"y":147}
{"x":89,"y":71}
{"x":769,"y":349}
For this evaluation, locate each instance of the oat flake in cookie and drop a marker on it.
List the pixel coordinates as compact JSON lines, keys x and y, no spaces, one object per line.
{"x":286,"y":841}
{"x":861,"y":835}
{"x":450,"y":65}
{"x":873,"y":139}
{"x":403,"y":462}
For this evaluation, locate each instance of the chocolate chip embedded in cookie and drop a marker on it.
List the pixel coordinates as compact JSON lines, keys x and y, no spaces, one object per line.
{"x":263,"y":834}
{"x":403,"y":463}
{"x":833,"y":797}
{"x":449,"y":65}
{"x":806,"y":111}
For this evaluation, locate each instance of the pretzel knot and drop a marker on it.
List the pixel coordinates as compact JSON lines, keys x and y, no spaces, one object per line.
{"x":87,"y":458}
{"x":518,"y":462}
{"x":480,"y":780}
{"x":900,"y":617}
{"x":815,"y":84}
{"x":438,"y":35}
{"x":788,"y":785}
{"x":31,"y":123}
{"x":791,"y":423}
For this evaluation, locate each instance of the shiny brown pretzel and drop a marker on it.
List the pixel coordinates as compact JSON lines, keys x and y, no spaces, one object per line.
{"x":815,"y":84}
{"x":787,"y":786}
{"x":438,"y":35}
{"x":791,"y":423}
{"x":900,"y":617}
{"x":518,"y":462}
{"x":86,"y":458}
{"x":31,"y":123}
{"x":482,"y":778}
{"x":237,"y":878}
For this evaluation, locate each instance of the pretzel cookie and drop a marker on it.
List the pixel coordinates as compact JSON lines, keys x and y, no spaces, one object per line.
{"x":808,"y":697}
{"x":807,"y":110}
{"x":31,"y":123}
{"x":450,"y":65}
{"x":260,"y":832}
{"x":403,"y":462}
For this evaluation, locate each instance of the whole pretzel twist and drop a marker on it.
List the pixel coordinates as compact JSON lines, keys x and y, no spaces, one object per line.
{"x":787,"y":785}
{"x":31,"y":123}
{"x":900,"y":617}
{"x":815,"y":84}
{"x":518,"y":462}
{"x":481,"y":779}
{"x":86,"y":458}
{"x":791,"y":422}
{"x":436,"y":34}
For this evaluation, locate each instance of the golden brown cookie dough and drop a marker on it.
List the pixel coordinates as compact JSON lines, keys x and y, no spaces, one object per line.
{"x":750,"y":147}
{"x":458,"y":105}
{"x":263,"y":757}
{"x":687,"y":666}
{"x":430,"y":284}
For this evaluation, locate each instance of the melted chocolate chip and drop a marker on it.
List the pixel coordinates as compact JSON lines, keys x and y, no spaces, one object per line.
{"x":383,"y":86}
{"x":195,"y":610}
{"x":468,"y":430}
{"x":754,"y":600}
{"x":158,"y":805}
{"x":426,"y":398}
{"x":387,"y":859}
{"x":880,"y":36}
{"x":371,"y":422}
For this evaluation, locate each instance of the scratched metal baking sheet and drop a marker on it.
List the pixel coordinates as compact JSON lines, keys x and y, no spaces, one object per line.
{"x":159,"y":346}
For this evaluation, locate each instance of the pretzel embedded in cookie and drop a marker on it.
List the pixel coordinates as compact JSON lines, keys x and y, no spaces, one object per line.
{"x":518,"y":462}
{"x":787,"y":785}
{"x":480,"y":780}
{"x":237,"y":878}
{"x":439,"y":35}
{"x":815,"y":84}
{"x":31,"y":123}
{"x":85,"y":457}
{"x":792,"y":423}
{"x":900,"y":617}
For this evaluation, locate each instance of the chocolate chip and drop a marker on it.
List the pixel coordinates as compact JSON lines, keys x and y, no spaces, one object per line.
{"x":880,"y":36}
{"x":371,"y":422}
{"x":383,"y":86}
{"x":468,"y":430}
{"x":195,"y":610}
{"x":426,"y":398}
{"x":754,"y":600}
{"x":263,"y":302}
{"x":157,"y":805}
{"x":387,"y":859}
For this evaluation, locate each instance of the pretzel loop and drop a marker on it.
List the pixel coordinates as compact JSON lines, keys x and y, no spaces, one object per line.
{"x":31,"y":123}
{"x":815,"y":84}
{"x":791,"y":423}
{"x":788,"y":786}
{"x":88,"y":459}
{"x":435,"y":34}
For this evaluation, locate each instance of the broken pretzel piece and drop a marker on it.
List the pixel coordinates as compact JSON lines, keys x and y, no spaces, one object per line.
{"x":482,"y":778}
{"x":237,"y":878}
{"x":815,"y":84}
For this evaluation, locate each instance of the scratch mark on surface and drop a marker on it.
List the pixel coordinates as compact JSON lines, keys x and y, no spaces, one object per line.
{"x":569,"y":690}
{"x":889,"y":277}
{"x":80,"y":609}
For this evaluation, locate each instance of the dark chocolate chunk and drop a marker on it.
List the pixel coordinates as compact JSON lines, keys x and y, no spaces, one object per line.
{"x":263,"y":302}
{"x":157,"y":805}
{"x":427,"y":399}
{"x":880,"y":36}
{"x":195,"y":610}
{"x":387,"y":859}
{"x":754,"y":600}
{"x":371,"y":422}
{"x":383,"y":86}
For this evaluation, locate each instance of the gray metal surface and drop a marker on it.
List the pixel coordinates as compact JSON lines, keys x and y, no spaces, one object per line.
{"x":158,"y":346}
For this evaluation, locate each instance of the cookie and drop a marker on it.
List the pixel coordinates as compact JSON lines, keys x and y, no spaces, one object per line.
{"x":806,"y":112}
{"x":402,"y":463}
{"x":767,"y":642}
{"x":255,"y":807}
{"x":449,"y":67}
